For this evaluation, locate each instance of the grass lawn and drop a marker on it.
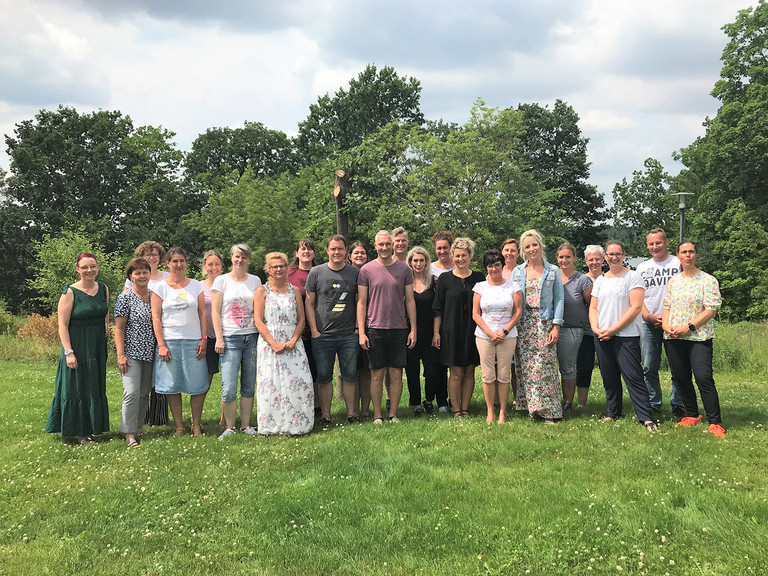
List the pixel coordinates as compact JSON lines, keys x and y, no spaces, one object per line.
{"x":423,"y":496}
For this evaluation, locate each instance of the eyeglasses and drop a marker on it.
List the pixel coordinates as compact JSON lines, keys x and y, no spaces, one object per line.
{"x":277,"y":267}
{"x":89,"y":267}
{"x":614,"y":254}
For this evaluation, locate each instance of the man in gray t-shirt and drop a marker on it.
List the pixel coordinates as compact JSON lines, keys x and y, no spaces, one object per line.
{"x":331,"y":310}
{"x":656,"y":273}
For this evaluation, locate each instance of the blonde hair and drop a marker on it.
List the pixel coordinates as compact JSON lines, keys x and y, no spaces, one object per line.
{"x":536,"y":236}
{"x":427,"y":268}
{"x":463,"y":244}
{"x":274,"y":256}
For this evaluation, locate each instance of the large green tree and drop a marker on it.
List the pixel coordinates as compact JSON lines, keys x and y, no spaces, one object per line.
{"x":556,"y":154}
{"x":93,"y":173}
{"x":727,"y":168}
{"x":644,"y":203}
{"x":374,"y":99}
{"x":221,"y":156}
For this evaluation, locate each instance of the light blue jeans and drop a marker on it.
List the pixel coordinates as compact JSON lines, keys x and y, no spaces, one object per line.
{"x":651,"y":340}
{"x":239,"y":357}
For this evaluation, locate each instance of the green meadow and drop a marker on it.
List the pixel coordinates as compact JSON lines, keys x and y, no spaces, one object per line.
{"x":430,"y":495}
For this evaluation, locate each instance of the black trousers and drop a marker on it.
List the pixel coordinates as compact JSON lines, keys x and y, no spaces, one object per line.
{"x":585,"y":361}
{"x":435,"y":374}
{"x":619,"y":358}
{"x":688,"y":358}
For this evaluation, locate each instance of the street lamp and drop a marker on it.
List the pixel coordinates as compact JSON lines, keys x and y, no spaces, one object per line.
{"x":681,"y":198}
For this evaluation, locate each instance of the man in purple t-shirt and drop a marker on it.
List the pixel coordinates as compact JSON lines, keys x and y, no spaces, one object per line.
{"x":385,"y":310}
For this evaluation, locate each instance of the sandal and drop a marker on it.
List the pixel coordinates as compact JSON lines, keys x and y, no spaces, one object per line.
{"x":132,"y":443}
{"x":651,"y":426}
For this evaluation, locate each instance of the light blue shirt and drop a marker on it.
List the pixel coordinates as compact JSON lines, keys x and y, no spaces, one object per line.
{"x":550,"y":294}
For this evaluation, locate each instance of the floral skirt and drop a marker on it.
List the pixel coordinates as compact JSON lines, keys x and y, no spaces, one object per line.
{"x":538,"y":379}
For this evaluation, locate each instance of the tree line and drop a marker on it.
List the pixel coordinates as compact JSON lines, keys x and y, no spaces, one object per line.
{"x":503,"y":171}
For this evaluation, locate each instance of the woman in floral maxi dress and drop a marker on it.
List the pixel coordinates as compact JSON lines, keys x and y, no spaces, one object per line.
{"x":538,"y":379}
{"x":284,"y":394}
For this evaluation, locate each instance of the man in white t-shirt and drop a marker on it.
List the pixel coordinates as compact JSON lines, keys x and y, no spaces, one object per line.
{"x":656,"y":273}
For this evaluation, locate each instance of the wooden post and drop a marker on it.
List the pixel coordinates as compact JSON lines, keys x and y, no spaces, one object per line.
{"x":340,"y":191}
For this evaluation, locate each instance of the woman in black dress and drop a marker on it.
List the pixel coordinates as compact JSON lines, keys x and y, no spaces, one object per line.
{"x":423,"y":353}
{"x":454,"y":329}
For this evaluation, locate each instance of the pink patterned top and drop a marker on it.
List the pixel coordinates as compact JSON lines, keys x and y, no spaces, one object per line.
{"x":687,"y":297}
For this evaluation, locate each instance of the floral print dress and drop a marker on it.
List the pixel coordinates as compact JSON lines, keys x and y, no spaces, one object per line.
{"x":284,"y":395}
{"x":538,"y":379}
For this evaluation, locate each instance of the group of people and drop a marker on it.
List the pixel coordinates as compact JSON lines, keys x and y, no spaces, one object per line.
{"x":533,"y":328}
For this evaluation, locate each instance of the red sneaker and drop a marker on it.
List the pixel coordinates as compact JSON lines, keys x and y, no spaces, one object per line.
{"x":716,"y":430}
{"x":689,"y":421}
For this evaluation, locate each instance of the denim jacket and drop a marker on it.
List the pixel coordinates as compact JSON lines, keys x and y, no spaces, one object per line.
{"x":551,"y":294}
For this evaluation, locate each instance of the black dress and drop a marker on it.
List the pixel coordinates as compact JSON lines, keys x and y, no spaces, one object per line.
{"x":453,"y":302}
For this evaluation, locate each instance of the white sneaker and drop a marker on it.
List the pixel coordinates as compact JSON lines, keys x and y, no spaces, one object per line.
{"x":394,"y":419}
{"x":443,"y":409}
{"x":250,"y":430}
{"x":227,"y":432}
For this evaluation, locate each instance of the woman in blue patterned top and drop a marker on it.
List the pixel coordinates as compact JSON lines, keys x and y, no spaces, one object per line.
{"x":135,"y":345}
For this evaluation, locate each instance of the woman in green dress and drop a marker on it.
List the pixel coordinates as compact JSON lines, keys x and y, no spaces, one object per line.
{"x":79,"y":409}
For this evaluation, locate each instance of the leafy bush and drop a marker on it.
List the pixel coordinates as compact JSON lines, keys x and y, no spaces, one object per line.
{"x":58,"y":257}
{"x":9,"y":324}
{"x":45,"y":328}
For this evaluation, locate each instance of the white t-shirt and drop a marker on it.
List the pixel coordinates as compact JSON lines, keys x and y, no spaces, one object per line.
{"x":437,"y":271}
{"x":656,"y":276}
{"x":180,"y":318}
{"x":613,"y":301}
{"x":166,"y":274}
{"x":497,"y":305}
{"x":236,"y":304}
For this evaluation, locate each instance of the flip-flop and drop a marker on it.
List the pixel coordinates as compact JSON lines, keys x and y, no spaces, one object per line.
{"x":131,"y":443}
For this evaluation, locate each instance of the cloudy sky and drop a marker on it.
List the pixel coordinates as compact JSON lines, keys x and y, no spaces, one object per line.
{"x":638,"y":73}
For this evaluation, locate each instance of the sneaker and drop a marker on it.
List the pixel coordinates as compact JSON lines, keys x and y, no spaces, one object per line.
{"x":716,"y":430}
{"x":378,"y":420}
{"x":227,"y":432}
{"x":250,"y":430}
{"x":394,"y":419}
{"x":419,"y":410}
{"x":443,"y":409}
{"x":428,"y":407}
{"x":689,"y":421}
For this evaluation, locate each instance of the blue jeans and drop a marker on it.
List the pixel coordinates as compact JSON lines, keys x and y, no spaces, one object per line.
{"x":325,"y":348}
{"x":650,"y":348}
{"x":239,"y":356}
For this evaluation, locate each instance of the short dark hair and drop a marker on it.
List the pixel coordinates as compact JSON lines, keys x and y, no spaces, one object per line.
{"x":336,"y":238}
{"x":136,"y":264}
{"x":618,"y":243}
{"x":175,"y":250}
{"x":566,"y":246}
{"x":492,"y":256}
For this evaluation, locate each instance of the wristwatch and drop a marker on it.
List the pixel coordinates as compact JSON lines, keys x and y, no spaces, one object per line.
{"x":67,"y":352}
{"x":506,"y":332}
{"x":691,"y":327}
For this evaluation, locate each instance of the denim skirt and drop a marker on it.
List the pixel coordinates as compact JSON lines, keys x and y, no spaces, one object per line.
{"x":183,"y":373}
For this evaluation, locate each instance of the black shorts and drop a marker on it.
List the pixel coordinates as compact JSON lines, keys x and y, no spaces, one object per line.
{"x":388,"y":348}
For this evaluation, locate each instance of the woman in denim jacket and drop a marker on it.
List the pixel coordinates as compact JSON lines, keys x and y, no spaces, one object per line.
{"x":538,"y":378}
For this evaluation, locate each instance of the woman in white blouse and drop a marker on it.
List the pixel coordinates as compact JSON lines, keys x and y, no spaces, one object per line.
{"x":181,"y":326}
{"x":617,"y":299}
{"x":236,"y":338}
